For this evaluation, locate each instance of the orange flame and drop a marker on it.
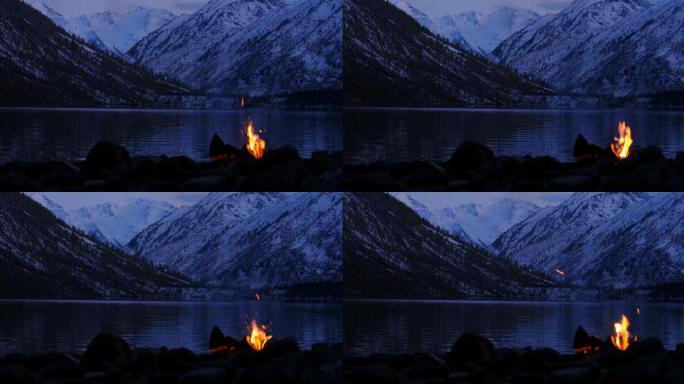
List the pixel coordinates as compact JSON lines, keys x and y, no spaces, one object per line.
{"x":621,"y":338}
{"x":623,"y":143}
{"x":258,"y":338}
{"x":256,"y":145}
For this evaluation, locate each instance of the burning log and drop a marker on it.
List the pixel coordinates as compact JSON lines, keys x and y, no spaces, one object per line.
{"x":621,"y":338}
{"x":219,"y":343}
{"x":584,"y":151}
{"x":256,"y":146}
{"x":585,"y":344}
{"x":621,"y":147}
{"x":221,"y":152}
{"x":258,"y":338}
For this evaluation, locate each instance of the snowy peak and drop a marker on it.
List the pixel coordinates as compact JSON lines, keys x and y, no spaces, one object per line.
{"x":113,"y":31}
{"x":110,"y":223}
{"x":607,"y":239}
{"x":251,"y":240}
{"x":605,"y":47}
{"x":251,"y":47}
{"x":474,"y":30}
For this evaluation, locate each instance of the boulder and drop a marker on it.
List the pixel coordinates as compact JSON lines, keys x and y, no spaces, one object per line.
{"x":106,"y":347}
{"x":470,"y":155}
{"x":470,"y":348}
{"x":106,"y":155}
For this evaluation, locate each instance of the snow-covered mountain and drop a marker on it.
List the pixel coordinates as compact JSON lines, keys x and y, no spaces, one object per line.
{"x":390,"y":59}
{"x":113,"y":223}
{"x":391,"y":252}
{"x":436,"y":218}
{"x":607,"y":47}
{"x":480,"y":30}
{"x":479,"y":222}
{"x":485,"y":31}
{"x":252,"y":47}
{"x":114,"y":31}
{"x":42,"y":65}
{"x":438,"y":26}
{"x":605,"y":239}
{"x":42,"y":257}
{"x":251,"y":240}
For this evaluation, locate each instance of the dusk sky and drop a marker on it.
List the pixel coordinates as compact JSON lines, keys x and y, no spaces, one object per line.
{"x":70,"y":200}
{"x":81,"y":7}
{"x":442,"y":7}
{"x":438,"y":200}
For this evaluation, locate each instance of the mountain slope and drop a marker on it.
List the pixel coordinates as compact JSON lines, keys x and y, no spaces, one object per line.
{"x":391,"y":252}
{"x":42,"y":257}
{"x":392,"y":60}
{"x":611,"y":240}
{"x":251,"y":240}
{"x":605,"y":47}
{"x":112,"y":223}
{"x":435,"y":26}
{"x":42,"y":65}
{"x":251,"y":47}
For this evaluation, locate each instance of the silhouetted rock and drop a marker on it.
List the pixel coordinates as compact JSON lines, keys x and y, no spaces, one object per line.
{"x":106,"y":347}
{"x":106,"y":156}
{"x":470,"y":155}
{"x":471,"y":347}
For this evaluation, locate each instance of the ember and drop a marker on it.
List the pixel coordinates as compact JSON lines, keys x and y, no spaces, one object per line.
{"x":558,"y":271}
{"x":255,"y":144}
{"x":622,"y":145}
{"x":621,"y":338}
{"x":258,"y":338}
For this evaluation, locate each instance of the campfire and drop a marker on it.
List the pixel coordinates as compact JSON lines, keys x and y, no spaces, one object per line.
{"x":256,"y":146}
{"x":258,"y":338}
{"x":622,"y":145}
{"x":621,"y":338}
{"x":590,"y":345}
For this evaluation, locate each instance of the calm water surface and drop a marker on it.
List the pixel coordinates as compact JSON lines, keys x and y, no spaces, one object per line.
{"x":49,"y":134}
{"x":433,"y":134}
{"x":32,"y":326}
{"x":410,"y":326}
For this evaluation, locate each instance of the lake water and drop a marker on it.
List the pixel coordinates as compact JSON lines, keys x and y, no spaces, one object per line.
{"x":49,"y":134}
{"x":409,"y":326}
{"x":433,"y":134}
{"x":32,"y":326}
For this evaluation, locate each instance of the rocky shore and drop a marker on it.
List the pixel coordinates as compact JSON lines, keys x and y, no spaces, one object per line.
{"x":109,"y":359}
{"x":474,"y":167}
{"x":473,"y":359}
{"x":109,"y":167}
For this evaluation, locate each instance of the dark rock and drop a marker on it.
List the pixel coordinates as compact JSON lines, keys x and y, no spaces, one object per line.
{"x":470,"y":155}
{"x":574,"y":182}
{"x":106,"y":348}
{"x":278,"y":156}
{"x":583,"y":151}
{"x":376,"y":373}
{"x":205,"y":183}
{"x":578,"y":375}
{"x":106,"y":156}
{"x":280,"y":347}
{"x":470,"y":347}
{"x":16,"y":374}
{"x":206,"y":376}
{"x":322,"y":354}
